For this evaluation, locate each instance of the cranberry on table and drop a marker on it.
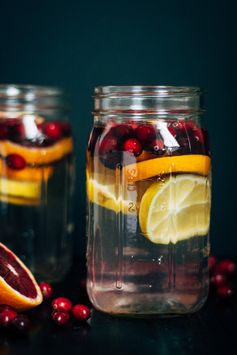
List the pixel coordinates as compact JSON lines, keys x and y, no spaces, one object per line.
{"x":132,"y":145}
{"x":81,"y":312}
{"x":60,"y":317}
{"x":145,"y":133}
{"x":53,"y":130}
{"x":212,"y":261}
{"x":218,"y":280}
{"x":172,"y":130}
{"x":21,"y":323}
{"x":224,"y":292}
{"x":62,"y":304}
{"x":227,"y":266}
{"x":6,"y":317}
{"x":46,"y":289}
{"x":15,"y":161}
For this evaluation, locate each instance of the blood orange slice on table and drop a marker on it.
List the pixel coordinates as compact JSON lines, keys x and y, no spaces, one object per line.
{"x":18,"y":287}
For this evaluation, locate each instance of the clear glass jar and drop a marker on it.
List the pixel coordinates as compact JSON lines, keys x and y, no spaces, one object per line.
{"x":148,"y":188}
{"x":36,"y":178}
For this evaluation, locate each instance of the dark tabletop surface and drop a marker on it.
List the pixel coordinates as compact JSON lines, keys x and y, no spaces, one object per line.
{"x":210,"y":331}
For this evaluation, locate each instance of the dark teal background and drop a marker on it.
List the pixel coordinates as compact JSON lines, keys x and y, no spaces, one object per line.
{"x":82,"y":44}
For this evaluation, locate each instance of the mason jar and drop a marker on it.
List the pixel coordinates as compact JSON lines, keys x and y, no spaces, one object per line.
{"x":148,"y":190}
{"x":36,"y":178}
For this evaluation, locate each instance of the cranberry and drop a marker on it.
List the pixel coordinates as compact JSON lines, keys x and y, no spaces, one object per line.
{"x":122,"y":131}
{"x":191,"y":125}
{"x":132,"y":145}
{"x":157,"y":146}
{"x":227,"y":267}
{"x":172,"y":131}
{"x":198,"y":135}
{"x":21,"y":323}
{"x":60,"y":317}
{"x":3,"y":132}
{"x":180,"y":125}
{"x":66,"y":128}
{"x":81,"y":312}
{"x":6,"y":317}
{"x":145,"y":133}
{"x":108,"y":144}
{"x":46,"y":289}
{"x":224,"y":291}
{"x":212,"y":261}
{"x":53,"y":130}
{"x":15,"y":161}
{"x":62,"y":304}
{"x":4,"y":307}
{"x":218,"y":280}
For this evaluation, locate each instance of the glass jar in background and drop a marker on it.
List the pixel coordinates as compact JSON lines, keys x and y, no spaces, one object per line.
{"x":148,"y":189}
{"x":36,"y":178}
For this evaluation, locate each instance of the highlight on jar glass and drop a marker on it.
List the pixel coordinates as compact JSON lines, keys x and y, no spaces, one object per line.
{"x":36,"y":178}
{"x":149,"y":198}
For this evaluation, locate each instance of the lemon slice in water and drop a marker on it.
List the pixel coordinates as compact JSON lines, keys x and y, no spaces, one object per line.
{"x":176,"y":209}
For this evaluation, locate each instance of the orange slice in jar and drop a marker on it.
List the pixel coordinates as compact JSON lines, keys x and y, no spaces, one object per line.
{"x":38,"y":156}
{"x":193,"y":163}
{"x":28,"y":173}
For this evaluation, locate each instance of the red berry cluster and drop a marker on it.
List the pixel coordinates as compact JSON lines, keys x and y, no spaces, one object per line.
{"x":48,"y":134}
{"x":63,"y":308}
{"x":9,"y":318}
{"x":134,"y":138}
{"x":221,"y":274}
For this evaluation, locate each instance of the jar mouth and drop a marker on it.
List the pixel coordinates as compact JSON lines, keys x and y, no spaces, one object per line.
{"x":29,"y":91}
{"x":165,"y":100}
{"x":32,"y":97}
{"x":146,"y":90}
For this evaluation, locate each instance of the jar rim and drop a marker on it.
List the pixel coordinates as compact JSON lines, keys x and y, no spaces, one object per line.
{"x":157,"y":90}
{"x":29,"y":92}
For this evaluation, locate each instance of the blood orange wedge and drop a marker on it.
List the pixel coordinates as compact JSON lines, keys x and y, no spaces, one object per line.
{"x":193,"y":163}
{"x":28,"y":173}
{"x":38,"y":156}
{"x":18,"y":287}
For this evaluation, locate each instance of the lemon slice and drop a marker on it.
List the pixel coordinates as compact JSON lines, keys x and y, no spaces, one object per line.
{"x":176,"y":209}
{"x":13,"y":189}
{"x":103,"y":193}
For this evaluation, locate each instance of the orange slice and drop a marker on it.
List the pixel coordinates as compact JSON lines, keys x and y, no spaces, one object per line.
{"x":28,"y":173}
{"x":19,"y":200}
{"x":38,"y":156}
{"x":199,"y":164}
{"x":18,"y":287}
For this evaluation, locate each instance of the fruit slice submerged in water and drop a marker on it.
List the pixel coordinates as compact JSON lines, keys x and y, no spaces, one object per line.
{"x":18,"y":287}
{"x":41,"y":155}
{"x":176,"y":209}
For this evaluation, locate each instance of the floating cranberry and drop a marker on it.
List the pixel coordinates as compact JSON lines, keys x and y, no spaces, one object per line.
{"x":46,"y":289}
{"x":198,"y":135}
{"x":224,"y":291}
{"x":212,"y":261}
{"x":157,"y":146}
{"x":108,"y":144}
{"x":60,"y":318}
{"x":81,"y":312}
{"x":53,"y":130}
{"x":66,"y":129}
{"x":218,"y":280}
{"x":132,"y":145}
{"x":145,"y":133}
{"x":179,"y":125}
{"x":3,"y":132}
{"x":123,"y":131}
{"x":15,"y":161}
{"x":172,"y":131}
{"x":227,"y":267}
{"x":62,"y":304}
{"x":6,"y":317}
{"x":21,"y":323}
